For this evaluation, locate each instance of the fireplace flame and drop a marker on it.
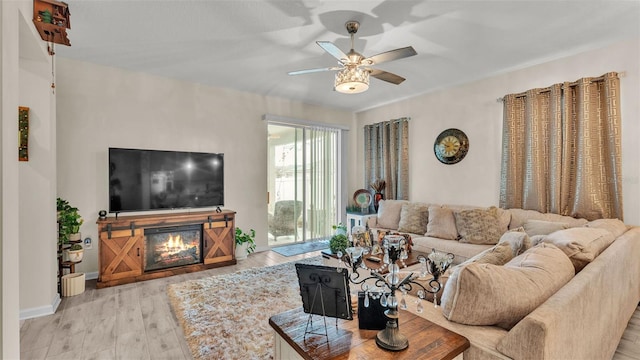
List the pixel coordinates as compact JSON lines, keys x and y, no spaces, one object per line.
{"x":174,"y":244}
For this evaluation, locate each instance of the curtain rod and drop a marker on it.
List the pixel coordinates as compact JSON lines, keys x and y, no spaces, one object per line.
{"x":406,"y":118}
{"x":572,"y":84}
{"x":283,"y":120}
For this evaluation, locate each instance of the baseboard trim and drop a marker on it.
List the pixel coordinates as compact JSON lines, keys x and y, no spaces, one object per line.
{"x":91,"y":275}
{"x":263,"y":248}
{"x":42,"y":310}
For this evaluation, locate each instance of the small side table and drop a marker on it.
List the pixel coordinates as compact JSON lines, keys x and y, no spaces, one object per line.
{"x":357,"y":219}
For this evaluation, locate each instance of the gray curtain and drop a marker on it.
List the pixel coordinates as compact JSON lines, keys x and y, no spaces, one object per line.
{"x":561,"y":149}
{"x":386,"y":157}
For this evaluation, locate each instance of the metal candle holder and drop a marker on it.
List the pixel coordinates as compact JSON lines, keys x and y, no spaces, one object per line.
{"x":395,"y":250}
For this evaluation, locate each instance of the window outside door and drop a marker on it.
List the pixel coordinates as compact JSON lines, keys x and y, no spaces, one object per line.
{"x":303,"y":178}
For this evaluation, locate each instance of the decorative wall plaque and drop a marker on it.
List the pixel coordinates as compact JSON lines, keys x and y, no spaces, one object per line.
{"x":23,"y":133}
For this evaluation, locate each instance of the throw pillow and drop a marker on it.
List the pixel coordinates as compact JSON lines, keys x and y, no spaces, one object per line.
{"x":497,"y":255}
{"x":520,"y":216}
{"x":442,"y":223}
{"x":478,"y":226}
{"x":517,"y":240}
{"x":486,"y":294}
{"x":389,"y":213}
{"x":414,"y":218}
{"x":614,"y":226}
{"x":542,"y":227}
{"x":581,"y":244}
{"x":536,"y":239}
{"x":504,"y":217}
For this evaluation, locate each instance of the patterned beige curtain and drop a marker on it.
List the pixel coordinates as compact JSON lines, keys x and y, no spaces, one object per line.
{"x":561,"y":149}
{"x":386,"y":156}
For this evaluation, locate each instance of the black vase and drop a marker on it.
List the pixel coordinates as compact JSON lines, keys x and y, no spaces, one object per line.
{"x":376,"y":199}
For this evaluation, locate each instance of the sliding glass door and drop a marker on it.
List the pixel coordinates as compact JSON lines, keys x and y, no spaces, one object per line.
{"x":303,"y":178}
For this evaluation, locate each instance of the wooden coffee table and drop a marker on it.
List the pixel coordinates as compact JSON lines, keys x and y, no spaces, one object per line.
{"x":346,"y":341}
{"x":331,"y":259}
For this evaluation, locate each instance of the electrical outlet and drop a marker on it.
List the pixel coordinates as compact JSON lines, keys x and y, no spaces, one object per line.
{"x":88,"y":244}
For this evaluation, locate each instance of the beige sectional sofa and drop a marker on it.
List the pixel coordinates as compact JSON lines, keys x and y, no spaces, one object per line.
{"x":583,"y":317}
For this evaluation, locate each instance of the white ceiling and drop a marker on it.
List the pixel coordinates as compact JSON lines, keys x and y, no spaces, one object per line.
{"x":251,"y":45}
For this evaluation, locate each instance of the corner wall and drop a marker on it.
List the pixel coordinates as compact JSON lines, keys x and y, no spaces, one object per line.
{"x":473,"y":109}
{"x":37,"y":180}
{"x":23,"y":54}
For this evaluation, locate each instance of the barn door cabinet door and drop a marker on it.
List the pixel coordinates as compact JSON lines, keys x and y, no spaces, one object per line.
{"x":219,"y":240}
{"x":121,"y":254}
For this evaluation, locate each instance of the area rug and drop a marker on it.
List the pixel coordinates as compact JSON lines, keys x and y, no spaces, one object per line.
{"x":227,"y":316}
{"x":297,"y":249}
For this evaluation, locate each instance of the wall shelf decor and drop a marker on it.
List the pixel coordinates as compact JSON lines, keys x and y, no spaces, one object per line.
{"x":52,"y":19}
{"x":23,"y":133}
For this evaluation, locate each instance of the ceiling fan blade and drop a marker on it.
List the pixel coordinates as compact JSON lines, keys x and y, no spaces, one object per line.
{"x":386,"y":76}
{"x":390,"y":55}
{"x":308,"y":71}
{"x":330,"y":47}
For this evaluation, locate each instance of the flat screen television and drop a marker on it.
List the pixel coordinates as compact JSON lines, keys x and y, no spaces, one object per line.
{"x":141,"y":180}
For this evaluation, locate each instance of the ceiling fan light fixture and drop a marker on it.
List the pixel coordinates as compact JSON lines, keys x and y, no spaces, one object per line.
{"x":352,"y":80}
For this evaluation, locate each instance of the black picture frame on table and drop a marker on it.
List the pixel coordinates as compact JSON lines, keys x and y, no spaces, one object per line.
{"x":325,"y":291}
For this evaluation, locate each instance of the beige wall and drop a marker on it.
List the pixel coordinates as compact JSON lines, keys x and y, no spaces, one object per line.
{"x":473,"y":109}
{"x":27,"y":236}
{"x":101,"y":107}
{"x":37,"y":182}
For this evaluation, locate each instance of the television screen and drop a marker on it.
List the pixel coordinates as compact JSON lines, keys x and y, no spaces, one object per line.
{"x":154,"y":180}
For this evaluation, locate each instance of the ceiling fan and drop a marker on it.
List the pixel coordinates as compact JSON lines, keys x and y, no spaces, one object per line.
{"x":354,"y":69}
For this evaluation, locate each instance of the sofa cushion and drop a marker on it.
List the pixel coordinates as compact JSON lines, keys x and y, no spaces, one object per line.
{"x":581,"y":244}
{"x":442,"y":223}
{"x":478,"y":226}
{"x":518,"y":241}
{"x":414,"y":218}
{"x":542,"y":227}
{"x":520,"y":216}
{"x":389,"y":213}
{"x":536,"y":239}
{"x":504,"y":217}
{"x":497,"y":255}
{"x":486,"y":294}
{"x":614,"y":226}
{"x":461,"y":252}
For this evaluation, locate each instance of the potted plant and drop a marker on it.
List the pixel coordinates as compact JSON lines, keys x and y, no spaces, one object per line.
{"x":338,"y":242}
{"x":245,"y":243}
{"x":340,"y":229}
{"x":69,"y":221}
{"x":75,"y":253}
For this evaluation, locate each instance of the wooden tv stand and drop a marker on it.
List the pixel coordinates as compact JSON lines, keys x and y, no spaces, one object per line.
{"x":122,"y":241}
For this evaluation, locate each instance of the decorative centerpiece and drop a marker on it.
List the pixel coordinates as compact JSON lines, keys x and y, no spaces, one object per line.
{"x":394,"y":247}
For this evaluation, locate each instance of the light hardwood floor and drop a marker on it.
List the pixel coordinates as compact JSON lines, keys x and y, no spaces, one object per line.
{"x":629,"y":346}
{"x":135,"y":321}
{"x":132,"y":321}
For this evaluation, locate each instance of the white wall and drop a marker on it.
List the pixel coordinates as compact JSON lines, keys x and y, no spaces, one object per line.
{"x":23,"y":63}
{"x":37,"y":182}
{"x":100,"y":107}
{"x":473,"y":109}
